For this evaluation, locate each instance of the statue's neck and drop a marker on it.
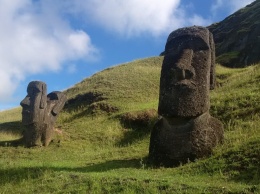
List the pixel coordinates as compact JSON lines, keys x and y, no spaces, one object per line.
{"x":179,"y":121}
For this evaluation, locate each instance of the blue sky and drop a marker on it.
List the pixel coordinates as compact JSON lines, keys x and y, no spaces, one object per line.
{"x":61,"y":42}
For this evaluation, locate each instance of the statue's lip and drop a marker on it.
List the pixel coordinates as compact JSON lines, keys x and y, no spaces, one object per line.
{"x":25,"y":112}
{"x":185,"y":82}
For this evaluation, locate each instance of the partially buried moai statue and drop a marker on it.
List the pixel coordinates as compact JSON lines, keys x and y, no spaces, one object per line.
{"x":186,"y":130}
{"x":39,"y":113}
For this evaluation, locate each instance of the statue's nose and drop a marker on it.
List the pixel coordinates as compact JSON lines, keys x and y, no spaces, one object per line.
{"x":181,"y":74}
{"x":183,"y":68}
{"x":25,"y":102}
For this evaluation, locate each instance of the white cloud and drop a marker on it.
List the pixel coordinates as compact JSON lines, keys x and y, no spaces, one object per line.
{"x":7,"y":86}
{"x":231,"y":5}
{"x":198,"y":20}
{"x":135,"y":17}
{"x":36,"y":38}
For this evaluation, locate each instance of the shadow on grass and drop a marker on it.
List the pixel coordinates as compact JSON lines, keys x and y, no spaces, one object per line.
{"x":132,"y":136}
{"x":240,"y":163}
{"x":17,"y":175}
{"x":13,"y":128}
{"x":107,"y":166}
{"x":12,"y":143}
{"x":138,"y":125}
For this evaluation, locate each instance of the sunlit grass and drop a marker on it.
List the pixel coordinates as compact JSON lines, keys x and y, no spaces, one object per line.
{"x":96,"y":153}
{"x":11,"y":115}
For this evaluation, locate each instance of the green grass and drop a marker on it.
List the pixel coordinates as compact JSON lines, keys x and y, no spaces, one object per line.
{"x":228,"y":58}
{"x":98,"y":153}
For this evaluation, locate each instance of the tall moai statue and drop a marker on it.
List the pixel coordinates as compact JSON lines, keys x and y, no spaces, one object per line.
{"x":186,"y":130}
{"x":39,"y":113}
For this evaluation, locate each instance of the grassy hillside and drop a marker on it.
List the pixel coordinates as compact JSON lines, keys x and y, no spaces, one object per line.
{"x":237,"y":37}
{"x":105,"y":137}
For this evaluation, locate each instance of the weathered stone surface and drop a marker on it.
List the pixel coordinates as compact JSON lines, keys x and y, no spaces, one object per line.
{"x":55,"y":102}
{"x":186,"y":130}
{"x":187,"y":73}
{"x":39,"y":113}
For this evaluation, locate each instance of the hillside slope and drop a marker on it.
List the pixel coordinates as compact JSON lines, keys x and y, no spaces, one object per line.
{"x":237,"y":37}
{"x":104,"y":137}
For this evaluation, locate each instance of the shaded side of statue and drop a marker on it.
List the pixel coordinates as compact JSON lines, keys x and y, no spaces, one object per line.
{"x":39,"y":113}
{"x":186,"y":130}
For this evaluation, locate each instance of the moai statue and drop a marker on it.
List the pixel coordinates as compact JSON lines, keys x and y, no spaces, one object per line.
{"x":186,"y":130}
{"x":55,"y":102}
{"x":39,"y":113}
{"x":34,"y":106}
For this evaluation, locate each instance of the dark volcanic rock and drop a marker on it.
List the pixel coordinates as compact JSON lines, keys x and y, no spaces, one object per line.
{"x":186,"y":130}
{"x":39,"y":113}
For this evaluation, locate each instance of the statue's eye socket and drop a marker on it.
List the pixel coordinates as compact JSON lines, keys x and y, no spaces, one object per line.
{"x":203,"y":47}
{"x":32,"y":91}
{"x":173,"y":72}
{"x":176,"y":73}
{"x":188,"y":74}
{"x":179,"y":74}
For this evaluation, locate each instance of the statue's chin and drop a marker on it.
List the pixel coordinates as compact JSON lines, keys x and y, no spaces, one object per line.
{"x":26,"y":118}
{"x":27,"y":122}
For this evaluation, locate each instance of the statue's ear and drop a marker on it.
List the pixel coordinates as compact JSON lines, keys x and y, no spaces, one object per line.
{"x":43,"y":101}
{"x":60,"y":103}
{"x":212,"y":65}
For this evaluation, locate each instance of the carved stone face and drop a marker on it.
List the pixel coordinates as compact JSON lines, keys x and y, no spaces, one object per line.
{"x":56,"y":101}
{"x":187,"y":74}
{"x":39,"y":113}
{"x":34,"y":103}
